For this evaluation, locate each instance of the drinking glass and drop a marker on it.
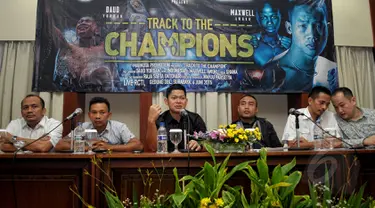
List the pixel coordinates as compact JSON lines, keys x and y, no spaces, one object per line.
{"x":329,"y":136}
{"x":250,"y":145}
{"x":175,"y":135}
{"x":91,"y":136}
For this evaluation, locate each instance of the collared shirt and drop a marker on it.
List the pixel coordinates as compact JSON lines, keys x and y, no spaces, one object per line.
{"x":115,"y":132}
{"x":306,"y":127}
{"x":269,"y":136}
{"x":19,"y":128}
{"x":196,"y":125}
{"x":354,"y":132}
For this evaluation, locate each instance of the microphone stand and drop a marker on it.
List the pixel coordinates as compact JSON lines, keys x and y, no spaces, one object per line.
{"x":297,"y":130}
{"x":15,"y":156}
{"x":186,"y":121}
{"x":327,"y":132}
{"x":72,"y":126}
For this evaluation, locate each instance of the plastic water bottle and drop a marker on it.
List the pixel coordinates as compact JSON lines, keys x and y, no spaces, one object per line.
{"x":79,"y":142}
{"x":162,"y":139}
{"x":318,"y":137}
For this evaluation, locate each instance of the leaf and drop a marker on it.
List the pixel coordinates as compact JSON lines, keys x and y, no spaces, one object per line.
{"x":276,"y":175}
{"x":245,"y":204}
{"x":313,"y":195}
{"x":135,"y":197}
{"x":288,"y":167}
{"x":177,"y":188}
{"x":209,"y":177}
{"x":281,"y":184}
{"x":112,"y":201}
{"x":358,"y":196}
{"x":293,"y":179}
{"x":263,"y":170}
{"x":178,"y":198}
{"x":263,"y":154}
{"x":211,"y":151}
{"x":229,"y":198}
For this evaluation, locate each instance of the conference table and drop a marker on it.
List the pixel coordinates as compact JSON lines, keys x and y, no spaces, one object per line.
{"x":44,"y":179}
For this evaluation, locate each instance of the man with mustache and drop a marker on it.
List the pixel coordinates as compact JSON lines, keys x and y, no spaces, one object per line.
{"x":247,"y":110}
{"x":31,"y":126}
{"x":300,"y":68}
{"x":319,"y":99}
{"x":176,"y":101}
{"x":357,"y":124}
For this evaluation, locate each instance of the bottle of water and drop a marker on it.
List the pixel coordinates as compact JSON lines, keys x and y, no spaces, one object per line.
{"x":79,"y":142}
{"x":318,"y":137}
{"x":162,"y":139}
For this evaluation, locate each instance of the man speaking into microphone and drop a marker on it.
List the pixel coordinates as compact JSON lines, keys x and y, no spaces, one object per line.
{"x":319,"y":99}
{"x":31,"y":126}
{"x":173,"y":118}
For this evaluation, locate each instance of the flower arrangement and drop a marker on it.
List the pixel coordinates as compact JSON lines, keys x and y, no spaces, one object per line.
{"x":230,"y":138}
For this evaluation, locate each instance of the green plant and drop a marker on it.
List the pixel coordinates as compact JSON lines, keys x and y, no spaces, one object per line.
{"x":277,"y":191}
{"x":321,"y":196}
{"x":207,"y":188}
{"x":109,"y":191}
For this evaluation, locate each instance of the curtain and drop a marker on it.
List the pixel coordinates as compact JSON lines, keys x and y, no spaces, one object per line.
{"x":16,"y":75}
{"x":356,"y":71}
{"x":215,"y":108}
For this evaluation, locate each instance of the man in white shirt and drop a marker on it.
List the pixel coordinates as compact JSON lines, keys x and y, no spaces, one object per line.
{"x":31,"y":126}
{"x":319,"y":99}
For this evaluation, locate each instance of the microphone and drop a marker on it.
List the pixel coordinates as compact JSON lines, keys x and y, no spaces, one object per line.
{"x":295,"y":112}
{"x":77,"y":112}
{"x":183,"y":112}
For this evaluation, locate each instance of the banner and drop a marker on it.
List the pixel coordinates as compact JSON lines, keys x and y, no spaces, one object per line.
{"x":274,"y":46}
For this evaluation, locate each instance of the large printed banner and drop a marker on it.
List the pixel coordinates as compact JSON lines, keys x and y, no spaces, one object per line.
{"x":206,"y":45}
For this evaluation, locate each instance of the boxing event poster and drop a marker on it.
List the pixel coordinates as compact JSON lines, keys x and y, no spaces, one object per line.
{"x":275,"y":46}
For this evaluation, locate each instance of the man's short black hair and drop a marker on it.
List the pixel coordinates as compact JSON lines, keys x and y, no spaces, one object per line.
{"x":346,"y":91}
{"x":250,"y":95}
{"x":33,"y":95}
{"x":312,"y":3}
{"x":175,"y":87}
{"x":96,"y":100}
{"x":315,"y":91}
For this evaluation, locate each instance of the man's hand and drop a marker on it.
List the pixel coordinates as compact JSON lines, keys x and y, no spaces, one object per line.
{"x":336,"y":143}
{"x":6,"y":137}
{"x":154,"y":112}
{"x":194,"y":145}
{"x":101,"y":145}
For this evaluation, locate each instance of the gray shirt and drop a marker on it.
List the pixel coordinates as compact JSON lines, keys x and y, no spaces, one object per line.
{"x":115,"y":132}
{"x":354,"y":132}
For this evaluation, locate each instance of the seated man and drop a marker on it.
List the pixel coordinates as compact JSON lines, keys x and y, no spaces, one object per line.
{"x":357,"y":124}
{"x":247,"y":110}
{"x":31,"y":126}
{"x":319,"y":100}
{"x":176,"y":101}
{"x":116,"y":133}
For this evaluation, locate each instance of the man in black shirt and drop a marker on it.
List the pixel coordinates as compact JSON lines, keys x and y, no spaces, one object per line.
{"x":176,"y":101}
{"x":247,"y":110}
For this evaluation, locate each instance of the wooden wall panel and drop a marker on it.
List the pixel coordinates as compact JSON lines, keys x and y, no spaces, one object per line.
{"x":72,"y":100}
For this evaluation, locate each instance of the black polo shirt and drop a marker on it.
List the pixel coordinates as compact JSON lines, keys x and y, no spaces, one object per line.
{"x":196,"y":125}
